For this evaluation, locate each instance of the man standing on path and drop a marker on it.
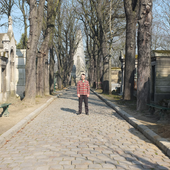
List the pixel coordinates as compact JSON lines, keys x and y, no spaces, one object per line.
{"x":83,"y":91}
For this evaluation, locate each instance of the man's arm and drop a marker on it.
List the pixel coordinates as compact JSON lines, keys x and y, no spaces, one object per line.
{"x":78,"y":89}
{"x":88,"y":89}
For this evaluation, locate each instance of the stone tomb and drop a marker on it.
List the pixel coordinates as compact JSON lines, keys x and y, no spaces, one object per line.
{"x":7,"y":63}
{"x":160,"y":75}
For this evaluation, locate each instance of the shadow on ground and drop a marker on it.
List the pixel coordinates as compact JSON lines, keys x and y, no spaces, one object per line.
{"x":69,"y":110}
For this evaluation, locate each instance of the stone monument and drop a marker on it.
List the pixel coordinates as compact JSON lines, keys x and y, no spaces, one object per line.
{"x":79,"y":60}
{"x":7,"y":63}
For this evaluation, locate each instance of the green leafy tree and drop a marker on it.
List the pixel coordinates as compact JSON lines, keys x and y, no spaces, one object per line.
{"x":21,"y":44}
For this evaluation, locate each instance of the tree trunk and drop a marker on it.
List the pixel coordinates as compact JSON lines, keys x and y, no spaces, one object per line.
{"x":96,"y":67}
{"x":59,"y":82}
{"x":102,"y":37}
{"x":40,"y":85}
{"x":40,"y":91}
{"x":105,"y":56}
{"x":51,"y":73}
{"x":25,"y":34}
{"x":91,"y":72}
{"x":48,"y":41}
{"x":47,"y":91}
{"x":30,"y":68}
{"x":100,"y":70}
{"x":131,"y":20}
{"x":68,"y":80}
{"x":144,"y":54}
{"x":9,"y":8}
{"x":59,"y":79}
{"x":25,"y":29}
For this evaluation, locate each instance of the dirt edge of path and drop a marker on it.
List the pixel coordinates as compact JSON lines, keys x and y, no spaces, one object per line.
{"x":19,"y":110}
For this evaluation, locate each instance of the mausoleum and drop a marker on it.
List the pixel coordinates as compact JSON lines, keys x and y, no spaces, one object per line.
{"x":7,"y":63}
{"x":160,"y":75}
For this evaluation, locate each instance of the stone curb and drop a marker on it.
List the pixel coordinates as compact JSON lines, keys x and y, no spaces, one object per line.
{"x":11,"y":132}
{"x":162,"y":143}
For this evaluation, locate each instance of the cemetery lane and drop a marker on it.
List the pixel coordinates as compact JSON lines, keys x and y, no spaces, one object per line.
{"x":58,"y":138}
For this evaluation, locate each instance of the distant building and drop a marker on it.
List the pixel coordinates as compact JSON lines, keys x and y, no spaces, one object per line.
{"x":7,"y":63}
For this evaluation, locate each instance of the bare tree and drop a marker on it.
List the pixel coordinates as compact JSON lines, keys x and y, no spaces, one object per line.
{"x":144,"y":53}
{"x":57,"y":5}
{"x":6,"y":7}
{"x":161,"y":25}
{"x":65,"y":42}
{"x":97,"y":18}
{"x":42,"y":56}
{"x":58,"y":43}
{"x":36,"y":19}
{"x":131,"y":11}
{"x":23,"y":6}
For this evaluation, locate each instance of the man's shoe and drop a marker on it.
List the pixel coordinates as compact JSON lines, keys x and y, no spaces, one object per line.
{"x":87,"y":113}
{"x":78,"y":113}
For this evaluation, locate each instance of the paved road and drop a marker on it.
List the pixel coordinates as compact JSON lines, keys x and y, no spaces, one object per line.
{"x":59,"y":139}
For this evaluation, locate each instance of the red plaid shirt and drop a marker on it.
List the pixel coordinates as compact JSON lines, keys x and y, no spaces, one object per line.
{"x":83,"y":88}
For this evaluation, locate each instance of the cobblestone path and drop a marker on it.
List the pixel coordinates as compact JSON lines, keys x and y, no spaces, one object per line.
{"x":59,"y":139}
